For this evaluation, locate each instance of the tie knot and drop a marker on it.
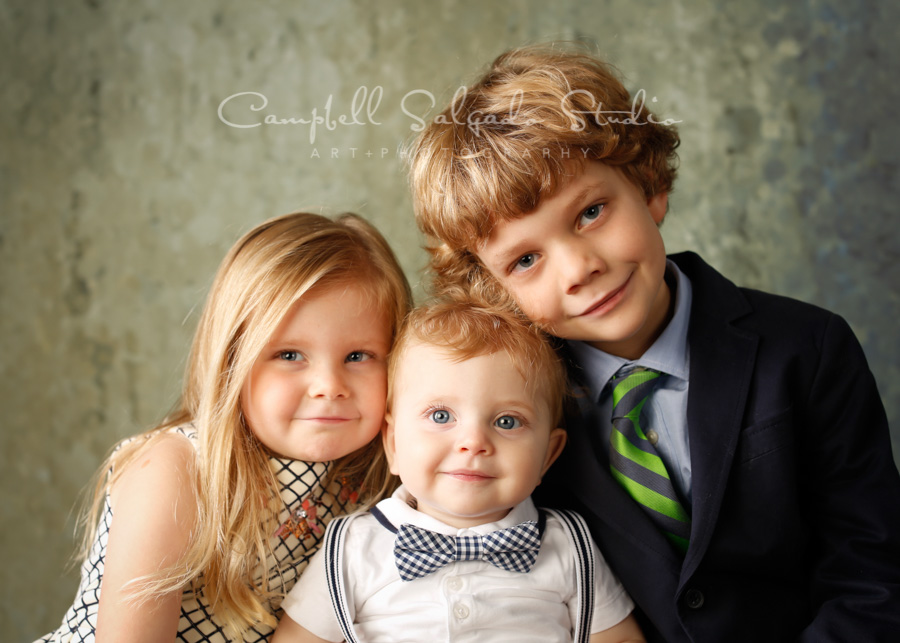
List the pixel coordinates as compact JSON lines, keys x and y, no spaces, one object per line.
{"x":635,"y":385}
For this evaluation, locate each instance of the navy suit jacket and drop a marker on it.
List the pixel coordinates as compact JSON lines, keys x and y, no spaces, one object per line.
{"x":796,"y":497}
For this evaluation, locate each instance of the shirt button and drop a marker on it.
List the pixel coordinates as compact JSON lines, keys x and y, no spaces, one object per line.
{"x":652,"y":437}
{"x":694,"y":599}
{"x":460,"y":611}
{"x":454,"y":583}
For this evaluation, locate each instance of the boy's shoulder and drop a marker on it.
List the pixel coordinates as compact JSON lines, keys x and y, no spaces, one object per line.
{"x":717,"y":300}
{"x":775,"y":334}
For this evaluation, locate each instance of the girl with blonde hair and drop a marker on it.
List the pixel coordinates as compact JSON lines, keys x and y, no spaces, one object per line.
{"x":218,"y":508}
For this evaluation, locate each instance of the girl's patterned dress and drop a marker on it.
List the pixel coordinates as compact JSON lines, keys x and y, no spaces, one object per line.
{"x":298,"y":481}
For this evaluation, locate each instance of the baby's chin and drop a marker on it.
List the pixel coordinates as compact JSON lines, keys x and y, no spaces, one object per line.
{"x":463,"y":520}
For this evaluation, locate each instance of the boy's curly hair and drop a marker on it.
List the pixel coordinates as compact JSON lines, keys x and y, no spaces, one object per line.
{"x":516,"y":136}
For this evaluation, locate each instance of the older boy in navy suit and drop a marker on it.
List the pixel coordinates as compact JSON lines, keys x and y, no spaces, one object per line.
{"x":727,"y":447}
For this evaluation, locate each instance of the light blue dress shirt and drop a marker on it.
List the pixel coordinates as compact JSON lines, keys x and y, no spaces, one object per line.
{"x":666,"y":410}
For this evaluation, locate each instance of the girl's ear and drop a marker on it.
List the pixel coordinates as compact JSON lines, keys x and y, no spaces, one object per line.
{"x":387,"y":439}
{"x":558,"y":439}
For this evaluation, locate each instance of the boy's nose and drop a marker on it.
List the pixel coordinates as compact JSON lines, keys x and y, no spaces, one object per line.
{"x":580,"y":263}
{"x":327,"y":382}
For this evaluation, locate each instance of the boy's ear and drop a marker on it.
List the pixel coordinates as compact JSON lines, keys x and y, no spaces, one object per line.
{"x":387,"y":439}
{"x":558,"y":438}
{"x":658,"y":204}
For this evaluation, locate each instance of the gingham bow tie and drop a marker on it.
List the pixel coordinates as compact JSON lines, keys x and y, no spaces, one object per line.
{"x":419,"y":552}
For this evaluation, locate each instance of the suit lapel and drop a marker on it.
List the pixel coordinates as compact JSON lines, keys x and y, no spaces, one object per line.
{"x":721,"y":371}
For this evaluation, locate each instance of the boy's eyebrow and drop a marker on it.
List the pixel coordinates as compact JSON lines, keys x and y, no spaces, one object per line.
{"x":579,"y":198}
{"x":503,"y":256}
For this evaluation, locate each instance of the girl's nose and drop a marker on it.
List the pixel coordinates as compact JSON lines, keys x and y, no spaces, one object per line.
{"x":327,"y":381}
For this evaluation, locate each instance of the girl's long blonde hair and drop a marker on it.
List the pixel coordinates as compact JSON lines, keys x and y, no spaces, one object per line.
{"x":261,"y":277}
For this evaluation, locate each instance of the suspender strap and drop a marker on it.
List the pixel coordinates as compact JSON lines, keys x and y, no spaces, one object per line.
{"x":383,"y":520}
{"x":334,"y":546}
{"x":580,"y":539}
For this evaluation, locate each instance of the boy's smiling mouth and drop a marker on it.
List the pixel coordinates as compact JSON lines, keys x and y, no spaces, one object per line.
{"x":607,"y":303}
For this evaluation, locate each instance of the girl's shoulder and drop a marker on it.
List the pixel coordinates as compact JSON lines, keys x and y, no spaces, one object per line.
{"x":185,"y":430}
{"x":165,"y":465}
{"x":135,"y":444}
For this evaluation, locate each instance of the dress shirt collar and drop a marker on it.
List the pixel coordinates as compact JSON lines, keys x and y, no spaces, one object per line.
{"x":668,"y":354}
{"x":398,"y":511}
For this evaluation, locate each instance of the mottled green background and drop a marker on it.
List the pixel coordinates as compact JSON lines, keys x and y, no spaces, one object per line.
{"x":121,"y":188}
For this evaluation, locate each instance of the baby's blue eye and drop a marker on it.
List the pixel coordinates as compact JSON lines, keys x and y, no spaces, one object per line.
{"x":358,"y":356}
{"x":507,"y":423}
{"x":590,"y":214}
{"x":290,"y":356}
{"x":440,"y":416}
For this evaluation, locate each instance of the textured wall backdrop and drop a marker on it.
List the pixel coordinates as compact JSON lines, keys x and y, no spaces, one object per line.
{"x":121,"y":187}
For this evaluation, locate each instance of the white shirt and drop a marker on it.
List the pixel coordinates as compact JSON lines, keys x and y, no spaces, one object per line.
{"x":463,"y":601}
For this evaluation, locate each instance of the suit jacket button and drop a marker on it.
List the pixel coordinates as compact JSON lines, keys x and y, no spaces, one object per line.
{"x":694,"y":599}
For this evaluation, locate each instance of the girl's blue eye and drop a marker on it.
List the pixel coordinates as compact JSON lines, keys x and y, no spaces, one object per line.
{"x":440,"y":416}
{"x":290,"y":356}
{"x":590,"y":215}
{"x":507,"y":423}
{"x":358,"y":356}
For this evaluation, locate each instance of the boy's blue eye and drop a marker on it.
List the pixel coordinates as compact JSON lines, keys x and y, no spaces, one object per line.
{"x":290,"y":356}
{"x":440,"y":416}
{"x":525,"y":262}
{"x":507,"y":423}
{"x":358,"y":356}
{"x":590,"y":214}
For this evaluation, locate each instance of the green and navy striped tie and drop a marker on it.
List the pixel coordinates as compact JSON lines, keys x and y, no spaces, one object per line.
{"x":635,"y":463}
